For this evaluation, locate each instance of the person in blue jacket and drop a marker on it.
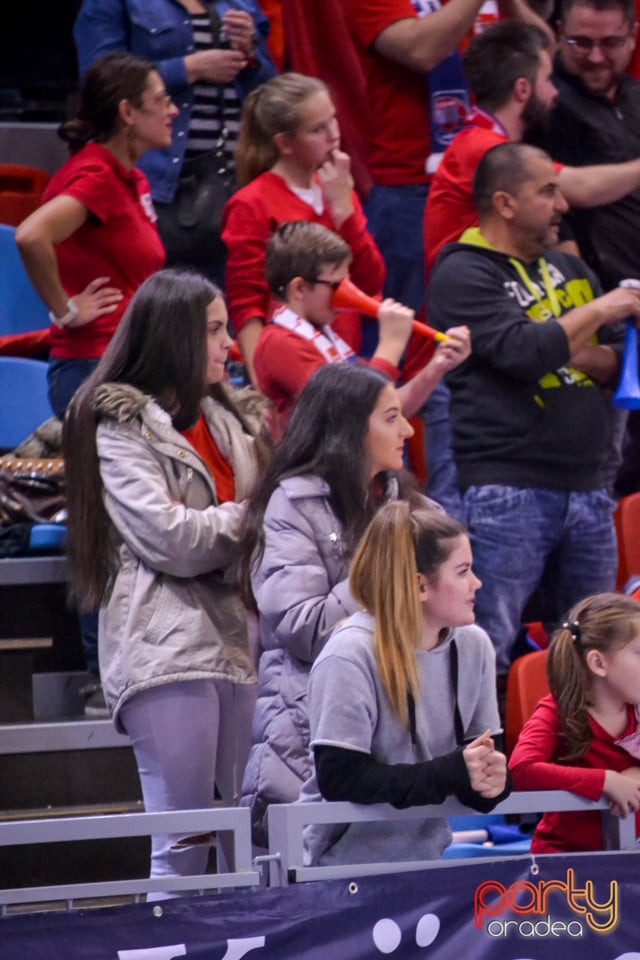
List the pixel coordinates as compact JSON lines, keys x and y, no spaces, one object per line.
{"x":210,"y":56}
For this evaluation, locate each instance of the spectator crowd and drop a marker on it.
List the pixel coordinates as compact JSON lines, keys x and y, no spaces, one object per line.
{"x":312,"y":583}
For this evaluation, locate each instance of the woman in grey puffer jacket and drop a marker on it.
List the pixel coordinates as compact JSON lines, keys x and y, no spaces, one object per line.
{"x":335,"y":466}
{"x":159,"y":459}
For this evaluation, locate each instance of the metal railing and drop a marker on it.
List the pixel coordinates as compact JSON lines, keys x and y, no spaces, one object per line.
{"x":287,"y":822}
{"x":26,"y":570}
{"x":286,"y":856}
{"x":60,"y":736}
{"x":185,"y":823}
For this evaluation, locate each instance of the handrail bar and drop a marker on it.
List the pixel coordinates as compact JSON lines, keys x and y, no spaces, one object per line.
{"x":286,"y":823}
{"x":185,"y":822}
{"x":59,"y":736}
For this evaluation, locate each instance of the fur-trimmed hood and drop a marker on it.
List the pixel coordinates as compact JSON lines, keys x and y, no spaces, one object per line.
{"x":123,"y":402}
{"x":119,"y":401}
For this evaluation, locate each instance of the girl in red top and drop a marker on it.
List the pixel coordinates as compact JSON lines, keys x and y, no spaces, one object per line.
{"x":585,"y":736}
{"x":290,"y":161}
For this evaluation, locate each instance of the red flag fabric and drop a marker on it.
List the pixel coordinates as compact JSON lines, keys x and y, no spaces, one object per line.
{"x":318,"y":43}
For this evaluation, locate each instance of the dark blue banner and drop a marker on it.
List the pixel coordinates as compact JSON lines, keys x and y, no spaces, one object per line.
{"x":572,"y":908}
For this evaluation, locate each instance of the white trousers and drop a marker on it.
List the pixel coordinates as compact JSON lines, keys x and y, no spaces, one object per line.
{"x":188,"y":737}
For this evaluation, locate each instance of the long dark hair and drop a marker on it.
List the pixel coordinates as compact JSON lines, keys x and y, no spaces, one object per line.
{"x":160,"y":348}
{"x":111,"y":79}
{"x":325,"y":436}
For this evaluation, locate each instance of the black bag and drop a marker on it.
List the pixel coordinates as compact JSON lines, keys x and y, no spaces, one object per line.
{"x":190,"y":226}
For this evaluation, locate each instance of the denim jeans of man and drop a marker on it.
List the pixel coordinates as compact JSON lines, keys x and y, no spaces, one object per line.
{"x":395,"y":215}
{"x":516,"y":532}
{"x":442,"y":483}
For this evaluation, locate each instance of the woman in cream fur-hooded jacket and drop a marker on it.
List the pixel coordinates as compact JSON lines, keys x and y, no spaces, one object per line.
{"x":160,"y":459}
{"x":172,"y":613}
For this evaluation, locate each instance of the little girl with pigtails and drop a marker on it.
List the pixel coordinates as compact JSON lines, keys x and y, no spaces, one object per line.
{"x":585,"y":735}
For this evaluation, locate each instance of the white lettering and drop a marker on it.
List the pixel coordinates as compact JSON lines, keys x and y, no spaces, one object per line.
{"x":154,"y":953}
{"x":236,"y":949}
{"x":545,"y":928}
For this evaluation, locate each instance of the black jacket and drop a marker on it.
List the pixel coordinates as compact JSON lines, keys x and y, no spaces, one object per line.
{"x":587,"y":129}
{"x":520,"y":415}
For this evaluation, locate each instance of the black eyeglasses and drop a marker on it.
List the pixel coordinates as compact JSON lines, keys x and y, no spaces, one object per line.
{"x":606,"y":44}
{"x":334,"y":284}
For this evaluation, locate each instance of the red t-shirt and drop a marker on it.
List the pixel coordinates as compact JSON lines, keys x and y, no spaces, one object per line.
{"x":200,"y":438}
{"x":634,"y":66}
{"x":450,"y":207}
{"x":285,"y":361}
{"x":399,"y":143}
{"x":252,"y":215}
{"x":119,"y":240}
{"x":535,"y":765}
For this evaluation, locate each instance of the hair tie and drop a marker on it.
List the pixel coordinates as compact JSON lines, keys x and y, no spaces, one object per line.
{"x":574,"y":629}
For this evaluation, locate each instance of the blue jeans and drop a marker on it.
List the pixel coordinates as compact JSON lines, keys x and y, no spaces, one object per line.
{"x":396,"y":219}
{"x":516,"y":533}
{"x":395,"y":216}
{"x":442,"y":484}
{"x":65,"y":376}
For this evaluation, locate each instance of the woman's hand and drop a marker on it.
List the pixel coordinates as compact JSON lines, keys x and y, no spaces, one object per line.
{"x":96,"y":300}
{"x":622,"y":792}
{"x":337,"y":185}
{"x":241,"y":30}
{"x":214,"y":66}
{"x":486,"y":766}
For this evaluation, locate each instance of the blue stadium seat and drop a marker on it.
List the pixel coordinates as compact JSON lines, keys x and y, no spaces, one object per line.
{"x":21,"y":309}
{"x":24,"y":405}
{"x":24,"y":402}
{"x":504,"y":839}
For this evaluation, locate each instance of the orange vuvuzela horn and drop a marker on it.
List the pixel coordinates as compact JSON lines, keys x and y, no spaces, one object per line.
{"x":350,"y":297}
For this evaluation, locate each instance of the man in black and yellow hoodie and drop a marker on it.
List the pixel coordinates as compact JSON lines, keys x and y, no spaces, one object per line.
{"x":531,"y":407}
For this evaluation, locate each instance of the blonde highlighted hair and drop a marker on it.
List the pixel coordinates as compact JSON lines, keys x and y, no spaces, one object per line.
{"x":605,"y":622}
{"x":399,"y":543}
{"x":272,"y":108}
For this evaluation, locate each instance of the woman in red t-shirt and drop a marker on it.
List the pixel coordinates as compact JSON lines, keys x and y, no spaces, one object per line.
{"x":290,"y":161}
{"x":94,"y":240}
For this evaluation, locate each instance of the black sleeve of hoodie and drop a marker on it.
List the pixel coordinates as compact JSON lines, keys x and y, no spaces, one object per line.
{"x":359,"y":778}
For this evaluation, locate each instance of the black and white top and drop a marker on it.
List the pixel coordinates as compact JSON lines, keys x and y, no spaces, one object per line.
{"x":207,"y":117}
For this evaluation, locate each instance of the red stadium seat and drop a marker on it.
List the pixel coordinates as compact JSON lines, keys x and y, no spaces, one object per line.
{"x":527,"y":683}
{"x":21,"y":190}
{"x":627,"y":521}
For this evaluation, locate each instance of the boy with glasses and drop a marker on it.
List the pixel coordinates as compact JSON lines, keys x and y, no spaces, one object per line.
{"x":305,"y":264}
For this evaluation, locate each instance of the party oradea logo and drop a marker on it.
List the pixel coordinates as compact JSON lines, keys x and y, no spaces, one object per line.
{"x":546,"y":909}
